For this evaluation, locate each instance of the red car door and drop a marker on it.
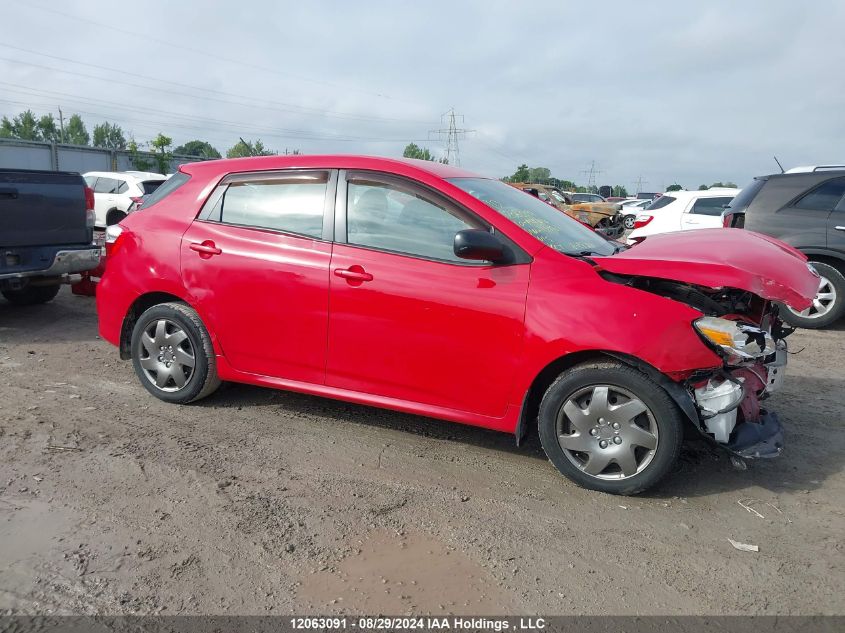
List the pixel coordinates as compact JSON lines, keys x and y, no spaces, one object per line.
{"x":256,"y":262}
{"x":408,"y":319}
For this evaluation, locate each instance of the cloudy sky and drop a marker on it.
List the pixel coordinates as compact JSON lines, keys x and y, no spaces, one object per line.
{"x":663,"y":91}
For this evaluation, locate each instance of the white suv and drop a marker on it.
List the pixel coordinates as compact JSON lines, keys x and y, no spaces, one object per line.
{"x":115,"y":191}
{"x":681,"y":211}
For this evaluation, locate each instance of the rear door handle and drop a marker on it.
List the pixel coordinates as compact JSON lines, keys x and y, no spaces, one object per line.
{"x":355,"y":273}
{"x":206,"y":249}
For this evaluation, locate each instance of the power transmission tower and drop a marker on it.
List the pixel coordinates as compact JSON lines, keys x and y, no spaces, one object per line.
{"x":639,"y":182}
{"x":591,"y":174}
{"x":452,"y":134}
{"x":62,"y":124}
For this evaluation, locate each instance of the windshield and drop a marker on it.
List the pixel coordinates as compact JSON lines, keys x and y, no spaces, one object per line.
{"x":552,"y":227}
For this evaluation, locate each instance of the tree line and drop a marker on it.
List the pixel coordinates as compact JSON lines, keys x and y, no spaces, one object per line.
{"x":543,"y":176}
{"x":26,"y":126}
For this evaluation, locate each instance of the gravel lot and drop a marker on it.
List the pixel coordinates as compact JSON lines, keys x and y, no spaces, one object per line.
{"x":257,"y":501}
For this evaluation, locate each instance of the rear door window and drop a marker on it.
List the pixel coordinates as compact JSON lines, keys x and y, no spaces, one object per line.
{"x":291,"y":204}
{"x":825,"y":197}
{"x":122,"y":186}
{"x":710,"y":206}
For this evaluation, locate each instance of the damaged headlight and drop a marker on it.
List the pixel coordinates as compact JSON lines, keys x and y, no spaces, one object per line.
{"x":738,"y":342}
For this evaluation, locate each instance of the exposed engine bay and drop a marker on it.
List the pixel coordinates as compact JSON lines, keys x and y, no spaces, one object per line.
{"x":746,"y":331}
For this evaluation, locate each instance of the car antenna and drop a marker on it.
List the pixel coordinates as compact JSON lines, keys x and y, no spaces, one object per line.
{"x":779,"y":165}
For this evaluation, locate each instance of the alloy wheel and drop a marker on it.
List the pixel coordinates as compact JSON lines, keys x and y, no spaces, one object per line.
{"x":607,"y":432}
{"x":822,"y":303}
{"x":166,"y":355}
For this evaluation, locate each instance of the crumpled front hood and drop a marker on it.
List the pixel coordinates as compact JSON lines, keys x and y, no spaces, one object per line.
{"x":722,"y":258}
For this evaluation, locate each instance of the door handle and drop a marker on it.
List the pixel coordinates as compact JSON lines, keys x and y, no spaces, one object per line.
{"x":354,"y":273}
{"x":839,"y":228}
{"x":8,"y":192}
{"x":206,"y":249}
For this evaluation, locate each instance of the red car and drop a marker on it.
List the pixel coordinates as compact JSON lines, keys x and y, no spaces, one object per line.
{"x":424,"y":288}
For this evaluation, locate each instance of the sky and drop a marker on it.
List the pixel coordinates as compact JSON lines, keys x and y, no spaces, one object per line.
{"x":660,"y":92}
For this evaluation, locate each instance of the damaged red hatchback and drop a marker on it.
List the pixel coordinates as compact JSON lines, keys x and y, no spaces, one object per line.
{"x":424,"y":288}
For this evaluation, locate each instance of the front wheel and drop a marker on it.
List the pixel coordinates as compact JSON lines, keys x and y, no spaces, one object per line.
{"x":172,"y":354}
{"x":828,"y":304}
{"x":609,"y":427}
{"x":628,"y":221}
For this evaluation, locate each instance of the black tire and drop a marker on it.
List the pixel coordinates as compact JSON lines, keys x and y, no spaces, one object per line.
{"x":835,"y":310}
{"x":114,"y":216}
{"x":202,"y":379}
{"x":661,"y":415}
{"x":31,"y":295}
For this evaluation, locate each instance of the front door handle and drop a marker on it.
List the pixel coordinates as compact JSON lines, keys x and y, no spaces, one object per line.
{"x":206,"y":249}
{"x":353,"y":273}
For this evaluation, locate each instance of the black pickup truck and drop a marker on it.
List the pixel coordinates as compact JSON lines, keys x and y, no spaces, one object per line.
{"x":46,"y":233}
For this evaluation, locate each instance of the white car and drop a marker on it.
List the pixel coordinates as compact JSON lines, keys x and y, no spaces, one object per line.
{"x":629,"y":211}
{"x":115,"y":191}
{"x":682,"y":211}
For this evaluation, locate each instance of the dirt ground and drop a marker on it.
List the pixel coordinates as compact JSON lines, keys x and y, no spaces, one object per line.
{"x":257,"y":501}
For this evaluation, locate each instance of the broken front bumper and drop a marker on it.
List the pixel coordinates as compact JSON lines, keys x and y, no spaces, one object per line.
{"x":729,"y":408}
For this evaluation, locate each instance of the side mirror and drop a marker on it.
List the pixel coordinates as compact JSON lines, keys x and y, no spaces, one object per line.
{"x":478,"y":244}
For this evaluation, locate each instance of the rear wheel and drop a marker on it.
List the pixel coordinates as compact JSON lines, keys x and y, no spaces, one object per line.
{"x":31,"y":295}
{"x":828,"y":304}
{"x":628,"y":221}
{"x":172,"y":354}
{"x":114,"y":216}
{"x":609,"y":427}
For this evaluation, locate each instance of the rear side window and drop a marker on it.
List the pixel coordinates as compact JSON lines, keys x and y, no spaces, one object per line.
{"x":744,"y":197}
{"x":293,"y":204}
{"x":659,"y":203}
{"x":167,"y":187}
{"x":149,"y":186}
{"x":824,"y":197}
{"x":710,"y":206}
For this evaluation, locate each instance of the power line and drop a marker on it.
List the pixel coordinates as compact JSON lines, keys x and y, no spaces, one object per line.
{"x":591,"y":174}
{"x":166,"y":91}
{"x":273,"y":104}
{"x":452,"y":134}
{"x":207,"y":54}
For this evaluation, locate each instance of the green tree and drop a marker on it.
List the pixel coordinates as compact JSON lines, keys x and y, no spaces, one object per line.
{"x":619,"y":191}
{"x":139,"y":162}
{"x":75,"y":132}
{"x":24,"y":127}
{"x":412,"y":150}
{"x":248,"y":148}
{"x":109,"y":136}
{"x":197,"y":148}
{"x":674,"y":187}
{"x":703,"y":187}
{"x":162,"y":156}
{"x":522,"y":174}
{"x":728,"y":184}
{"x":48,"y":130}
{"x":539,"y":174}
